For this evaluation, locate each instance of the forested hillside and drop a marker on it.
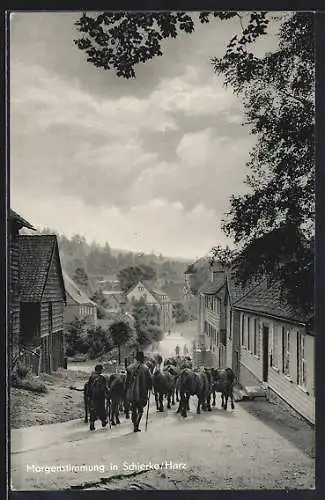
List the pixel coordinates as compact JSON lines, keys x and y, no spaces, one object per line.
{"x":101,"y":262}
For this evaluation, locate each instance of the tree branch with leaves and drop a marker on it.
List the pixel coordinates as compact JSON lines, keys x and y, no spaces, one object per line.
{"x":272,"y":224}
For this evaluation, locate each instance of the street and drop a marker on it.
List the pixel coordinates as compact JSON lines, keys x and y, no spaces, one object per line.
{"x":214,"y":450}
{"x":183,"y":334}
{"x":220,"y":450}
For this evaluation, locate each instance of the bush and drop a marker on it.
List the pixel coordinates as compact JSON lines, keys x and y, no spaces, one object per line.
{"x":99,"y":342}
{"x":28,"y":384}
{"x":22,"y":371}
{"x":75,"y":335}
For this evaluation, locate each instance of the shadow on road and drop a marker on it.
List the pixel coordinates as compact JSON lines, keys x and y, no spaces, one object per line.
{"x":285,"y":422}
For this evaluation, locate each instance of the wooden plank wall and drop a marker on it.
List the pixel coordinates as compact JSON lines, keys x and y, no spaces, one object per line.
{"x":14,"y":304}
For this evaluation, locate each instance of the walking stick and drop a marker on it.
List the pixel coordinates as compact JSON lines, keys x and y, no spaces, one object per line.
{"x":147,"y":410}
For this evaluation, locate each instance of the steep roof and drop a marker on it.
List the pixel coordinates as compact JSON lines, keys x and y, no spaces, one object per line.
{"x":19,"y":220}
{"x":212,"y":287}
{"x":175,"y":291}
{"x":158,"y":294}
{"x":74,"y":291}
{"x":35,"y":256}
{"x":265,"y":299}
{"x":236,"y":289}
{"x":150,"y":287}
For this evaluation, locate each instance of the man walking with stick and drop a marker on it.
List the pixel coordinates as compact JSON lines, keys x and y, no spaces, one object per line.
{"x":138,"y":385}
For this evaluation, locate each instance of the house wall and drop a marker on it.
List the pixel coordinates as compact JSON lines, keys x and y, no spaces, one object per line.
{"x":13,"y":285}
{"x":53,"y":290}
{"x":166,"y":316}
{"x":215,"y":318}
{"x":201,"y":314}
{"x":235,"y":339}
{"x":286,"y":385}
{"x":52,"y":346}
{"x":57,"y":317}
{"x":165,"y":306}
{"x":74,"y":310}
{"x":229,"y":345}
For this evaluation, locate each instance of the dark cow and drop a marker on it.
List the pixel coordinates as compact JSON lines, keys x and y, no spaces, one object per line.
{"x":163,"y":382}
{"x":153,"y":360}
{"x":223,"y":381}
{"x":117,"y":398}
{"x":117,"y":395}
{"x":174,"y":371}
{"x":193,"y":383}
{"x":177,"y":364}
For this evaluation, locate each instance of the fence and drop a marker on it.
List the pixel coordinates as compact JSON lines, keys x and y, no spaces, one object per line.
{"x":29,"y":358}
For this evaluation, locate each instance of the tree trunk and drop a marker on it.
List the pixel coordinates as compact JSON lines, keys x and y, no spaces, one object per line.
{"x":119,"y":354}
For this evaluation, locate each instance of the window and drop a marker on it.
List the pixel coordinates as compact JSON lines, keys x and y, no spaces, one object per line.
{"x":242,"y":329}
{"x":255,"y":339}
{"x":140,"y":288}
{"x":301,"y":362}
{"x":285,"y":351}
{"x":248,"y":333}
{"x":275,"y":345}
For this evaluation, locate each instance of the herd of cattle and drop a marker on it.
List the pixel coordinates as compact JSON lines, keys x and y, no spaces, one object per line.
{"x":175,"y":380}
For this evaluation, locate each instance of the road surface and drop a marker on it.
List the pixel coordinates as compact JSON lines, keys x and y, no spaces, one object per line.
{"x":220,"y":449}
{"x":214,"y":450}
{"x":182,"y":336}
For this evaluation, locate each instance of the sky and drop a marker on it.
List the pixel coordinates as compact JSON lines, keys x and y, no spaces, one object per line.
{"x":148,"y":164}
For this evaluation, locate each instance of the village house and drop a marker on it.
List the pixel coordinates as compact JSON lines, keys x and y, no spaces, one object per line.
{"x":153,"y":297}
{"x":15,"y":224}
{"x":276,"y":347}
{"x":78,"y":305}
{"x":264,"y":340}
{"x":115,"y":300}
{"x":212,"y":320}
{"x":42,"y":299}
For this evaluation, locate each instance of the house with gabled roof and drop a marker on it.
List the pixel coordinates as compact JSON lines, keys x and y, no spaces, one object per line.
{"x":265,"y":341}
{"x":78,"y":305}
{"x":42,"y":299}
{"x":277,"y":347}
{"x":114,"y":300}
{"x":15,"y":224}
{"x":147,"y":291}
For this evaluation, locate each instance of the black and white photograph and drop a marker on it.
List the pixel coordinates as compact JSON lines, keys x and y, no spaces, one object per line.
{"x":161,"y":241}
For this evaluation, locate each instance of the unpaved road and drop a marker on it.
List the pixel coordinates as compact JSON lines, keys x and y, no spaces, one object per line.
{"x":220,"y":450}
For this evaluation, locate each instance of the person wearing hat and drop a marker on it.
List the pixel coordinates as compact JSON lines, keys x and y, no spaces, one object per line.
{"x":138,"y":383}
{"x":97,"y":393}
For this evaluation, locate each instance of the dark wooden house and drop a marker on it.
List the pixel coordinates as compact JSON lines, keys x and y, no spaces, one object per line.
{"x":42,"y":300}
{"x":15,"y":224}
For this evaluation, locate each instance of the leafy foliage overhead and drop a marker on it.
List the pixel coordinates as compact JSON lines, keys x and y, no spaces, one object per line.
{"x":120,"y":41}
{"x":272,"y":224}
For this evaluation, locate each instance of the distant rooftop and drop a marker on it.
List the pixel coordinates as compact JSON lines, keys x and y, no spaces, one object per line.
{"x":74,"y":291}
